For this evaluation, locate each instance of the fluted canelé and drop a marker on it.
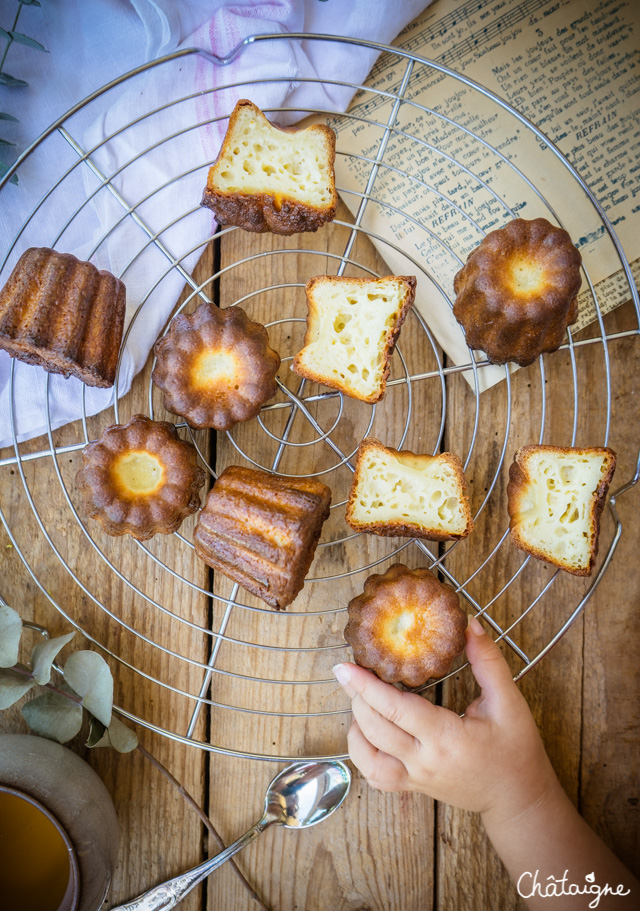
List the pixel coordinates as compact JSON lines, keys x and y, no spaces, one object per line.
{"x":63,"y":314}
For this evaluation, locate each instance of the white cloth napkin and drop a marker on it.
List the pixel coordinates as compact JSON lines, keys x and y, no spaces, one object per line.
{"x":92,"y":43}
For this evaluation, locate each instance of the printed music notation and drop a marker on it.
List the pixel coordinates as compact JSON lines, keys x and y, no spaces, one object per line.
{"x":570,"y":66}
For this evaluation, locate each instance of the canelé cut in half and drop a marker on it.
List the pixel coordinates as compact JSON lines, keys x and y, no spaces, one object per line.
{"x":140,"y":479}
{"x":63,"y":314}
{"x":556,"y":497}
{"x":352,"y":329}
{"x":215,"y":367}
{"x":401,"y":493}
{"x":261,"y":530}
{"x":406,"y":626}
{"x":517,"y":292}
{"x":267,"y":178}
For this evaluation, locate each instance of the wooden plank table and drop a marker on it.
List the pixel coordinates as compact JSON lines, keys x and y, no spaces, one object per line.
{"x":380,"y":851}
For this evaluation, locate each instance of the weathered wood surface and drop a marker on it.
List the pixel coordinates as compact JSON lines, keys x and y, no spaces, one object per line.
{"x":380,"y":851}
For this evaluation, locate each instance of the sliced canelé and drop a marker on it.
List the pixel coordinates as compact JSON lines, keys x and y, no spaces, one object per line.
{"x":400,"y":493}
{"x":352,"y":328}
{"x":556,"y":497}
{"x":271,"y":179}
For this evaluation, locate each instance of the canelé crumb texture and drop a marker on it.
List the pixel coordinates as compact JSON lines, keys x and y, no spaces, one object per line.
{"x":63,"y":314}
{"x":140,"y":479}
{"x":555,"y":499}
{"x":271,"y":179}
{"x":215,"y":367}
{"x":517,"y":292}
{"x":406,"y":626}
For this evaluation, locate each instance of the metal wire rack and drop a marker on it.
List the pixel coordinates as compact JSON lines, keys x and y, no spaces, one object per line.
{"x":296,"y":423}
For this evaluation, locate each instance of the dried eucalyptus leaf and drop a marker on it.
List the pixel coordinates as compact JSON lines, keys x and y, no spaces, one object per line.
{"x":4,"y":34}
{"x":88,"y":674}
{"x":30,"y":42}
{"x":118,"y":736}
{"x":10,"y":632}
{"x":44,"y":654}
{"x":54,"y":716}
{"x":5,"y":142}
{"x":6,"y":79}
{"x":4,"y":116}
{"x":13,"y":686}
{"x":30,"y":2}
{"x":96,"y":732}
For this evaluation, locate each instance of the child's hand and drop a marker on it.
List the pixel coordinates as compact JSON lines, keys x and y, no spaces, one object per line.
{"x":491,"y":761}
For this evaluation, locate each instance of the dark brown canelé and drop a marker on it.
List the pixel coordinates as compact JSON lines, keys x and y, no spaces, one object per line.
{"x":406,"y":626}
{"x":63,"y":314}
{"x":215,"y":367}
{"x":517,"y":292}
{"x":140,"y":479}
{"x":261,"y":530}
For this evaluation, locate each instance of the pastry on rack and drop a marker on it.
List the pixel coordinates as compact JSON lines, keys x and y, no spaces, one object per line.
{"x":261,"y":530}
{"x":556,"y":497}
{"x":401,"y":493}
{"x":140,"y":479}
{"x":406,"y":626}
{"x":63,"y":314}
{"x":270,"y":179}
{"x":352,"y":329}
{"x":517,"y":292}
{"x":215,"y":367}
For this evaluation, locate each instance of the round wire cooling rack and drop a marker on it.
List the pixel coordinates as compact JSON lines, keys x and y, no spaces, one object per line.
{"x":263,"y":676}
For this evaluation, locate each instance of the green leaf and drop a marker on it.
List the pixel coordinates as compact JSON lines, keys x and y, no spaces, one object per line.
{"x":10,"y":632}
{"x":8,"y":117}
{"x":13,"y":686}
{"x":54,"y":716}
{"x":30,"y":42}
{"x":13,"y":179}
{"x":6,"y":79}
{"x":89,"y":675}
{"x":4,"y":34}
{"x":5,"y":142}
{"x":44,"y":655}
{"x":30,"y":2}
{"x":96,"y":732}
{"x":117,"y":735}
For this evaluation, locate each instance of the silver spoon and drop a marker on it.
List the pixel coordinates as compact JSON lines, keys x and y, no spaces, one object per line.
{"x":302,"y":795}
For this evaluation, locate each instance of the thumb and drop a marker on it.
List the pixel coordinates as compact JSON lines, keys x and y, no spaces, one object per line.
{"x":488,"y":664}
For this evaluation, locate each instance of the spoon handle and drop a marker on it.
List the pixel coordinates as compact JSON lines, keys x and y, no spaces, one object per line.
{"x":168,"y":894}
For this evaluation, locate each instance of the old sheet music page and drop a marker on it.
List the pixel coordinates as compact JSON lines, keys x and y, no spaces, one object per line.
{"x":572,"y":67}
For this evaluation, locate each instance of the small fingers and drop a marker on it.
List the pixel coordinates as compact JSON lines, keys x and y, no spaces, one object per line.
{"x":381,"y":771}
{"x":407,"y":711}
{"x":488,"y":665}
{"x":380,"y":732}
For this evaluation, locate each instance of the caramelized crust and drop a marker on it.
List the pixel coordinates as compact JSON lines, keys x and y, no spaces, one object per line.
{"x":401,"y":493}
{"x":140,"y":479}
{"x":277,"y":197}
{"x":62,"y":314}
{"x":517,"y":293}
{"x":215,"y":367}
{"x":406,"y":626}
{"x":261,"y":530}
{"x":555,"y":500}
{"x":353,"y":325}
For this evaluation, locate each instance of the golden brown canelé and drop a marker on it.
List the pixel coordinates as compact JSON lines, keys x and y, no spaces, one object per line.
{"x":140,"y":479}
{"x":406,"y":626}
{"x":261,"y":530}
{"x":64,"y":315}
{"x":215,"y":367}
{"x":517,"y":292}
